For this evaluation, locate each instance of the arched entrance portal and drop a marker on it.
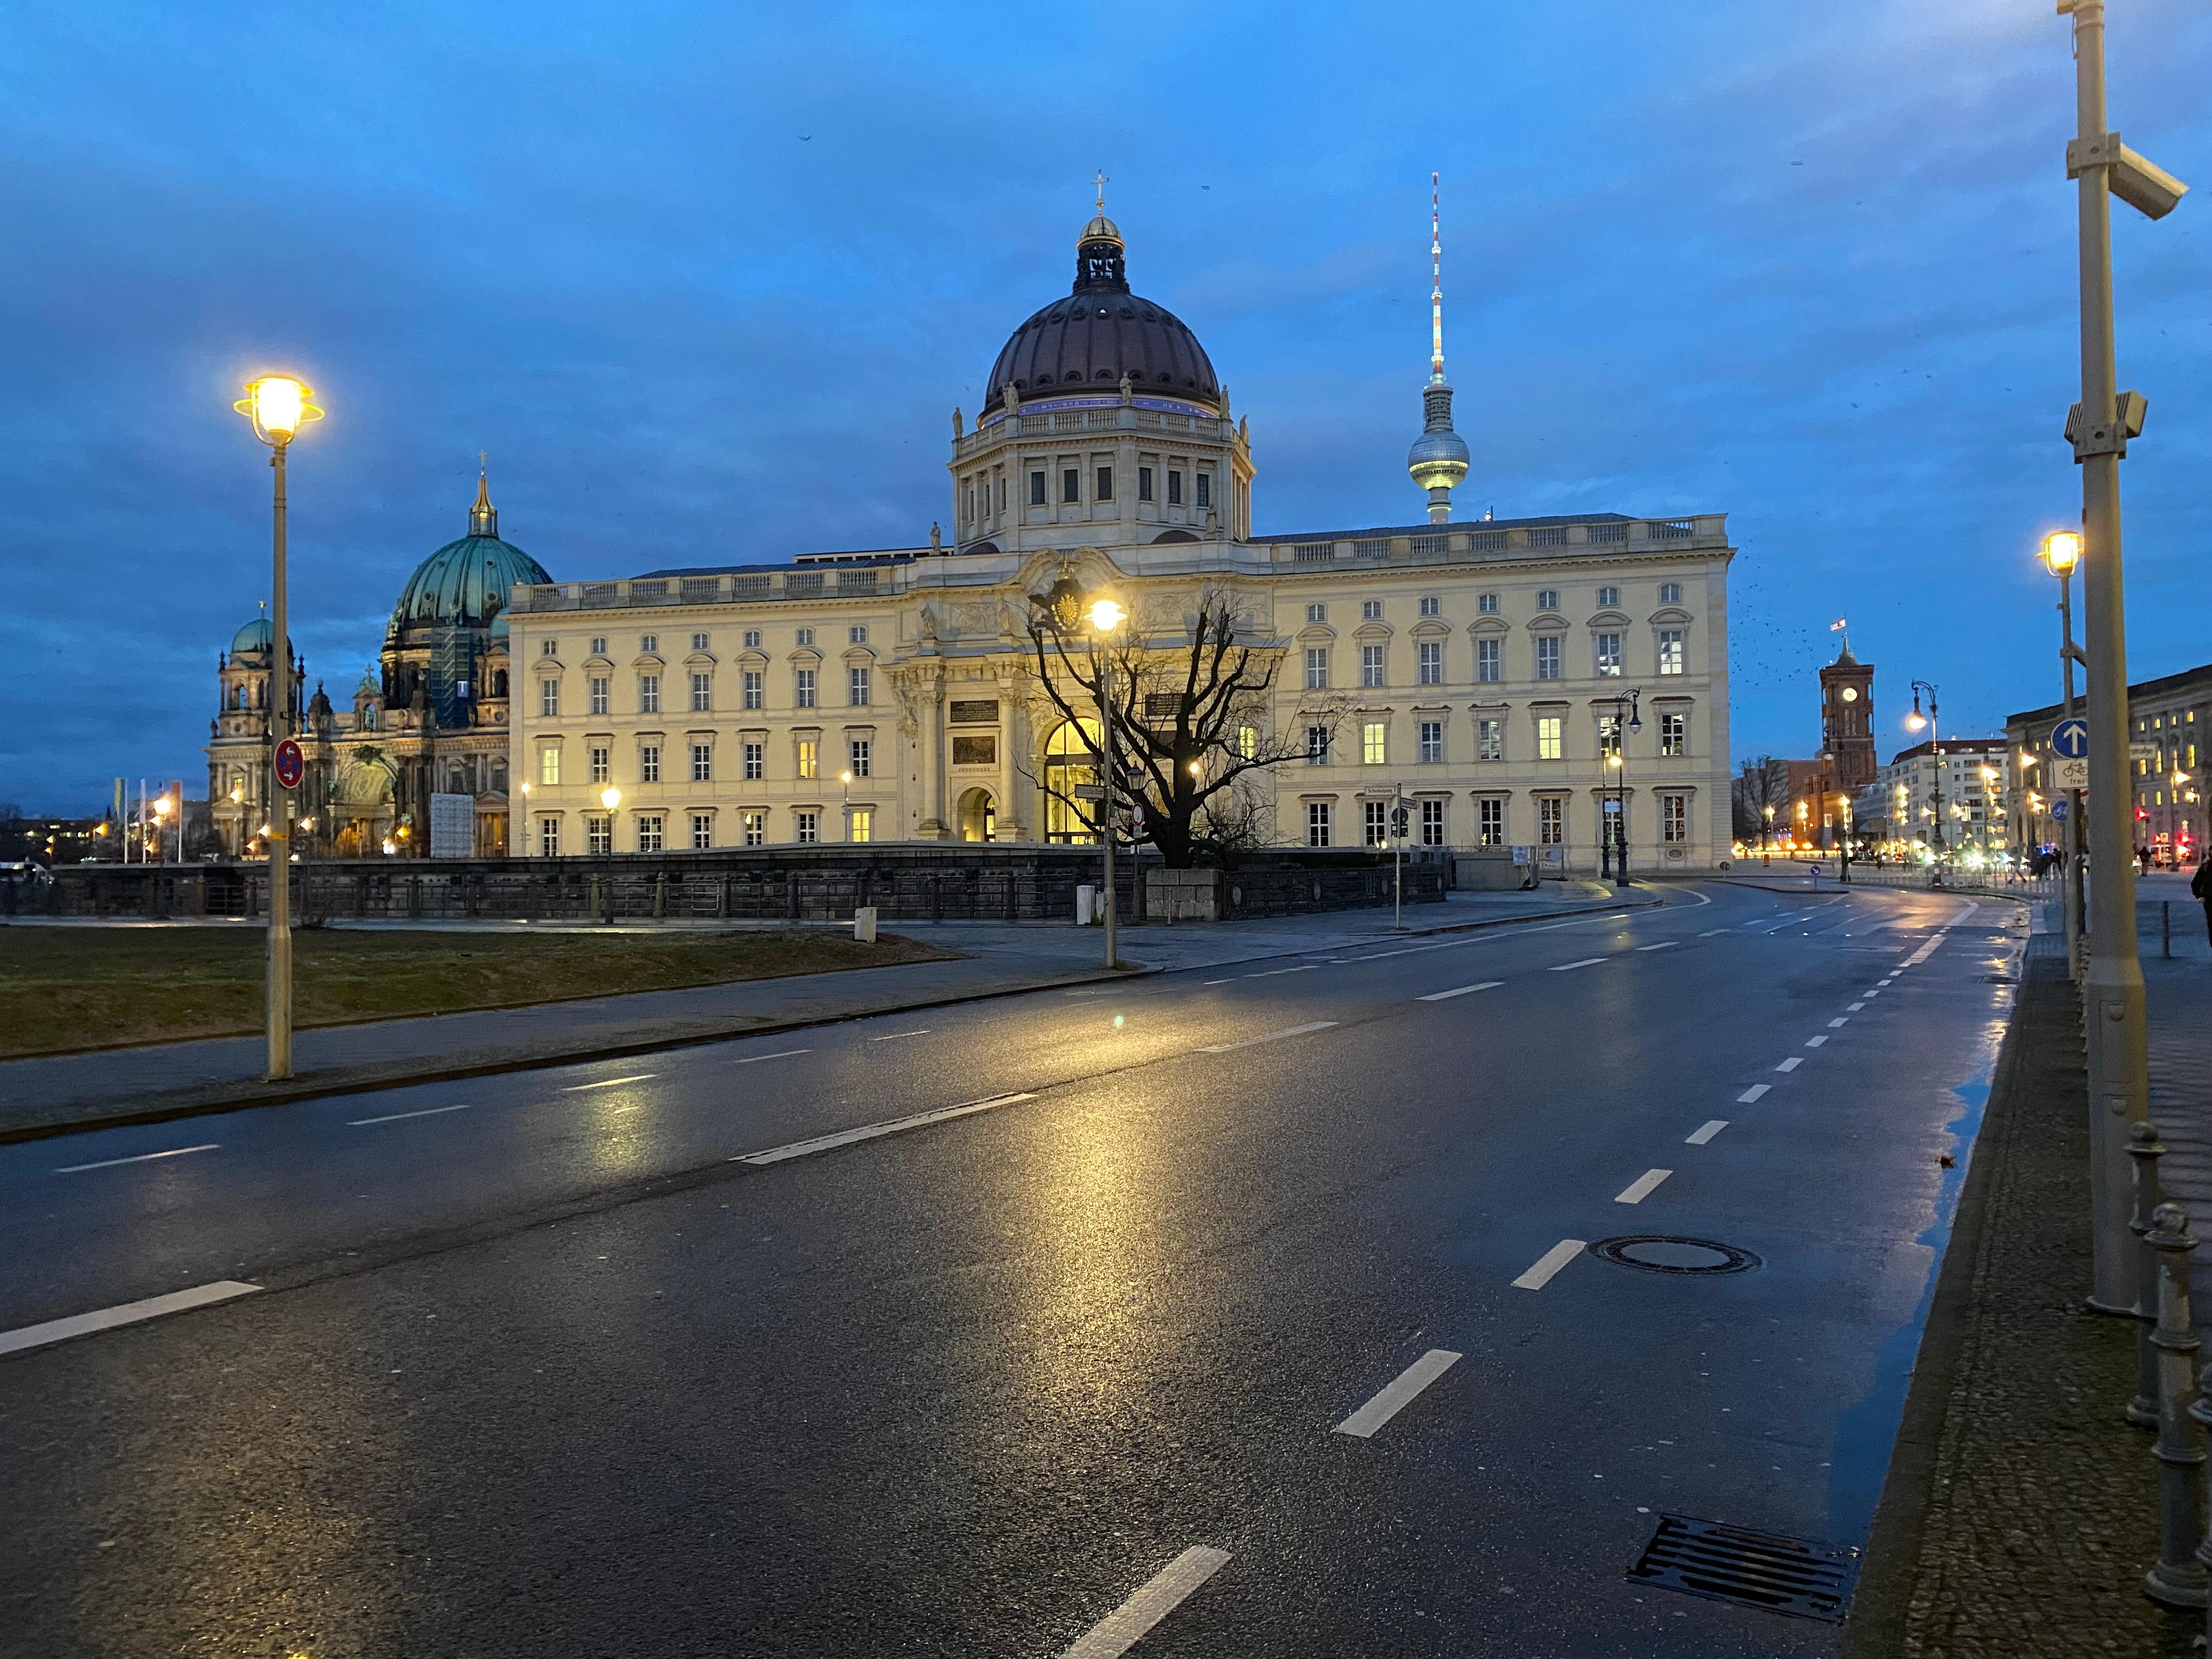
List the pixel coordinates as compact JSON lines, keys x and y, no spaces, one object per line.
{"x":1071,"y":763}
{"x":978,"y":816}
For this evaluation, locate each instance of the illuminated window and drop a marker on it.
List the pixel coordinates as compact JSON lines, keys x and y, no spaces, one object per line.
{"x":1371,"y":742}
{"x":548,"y":765}
{"x":810,"y":757}
{"x":1247,"y":742}
{"x":1547,"y":737}
{"x":1673,"y":820}
{"x":863,"y":825}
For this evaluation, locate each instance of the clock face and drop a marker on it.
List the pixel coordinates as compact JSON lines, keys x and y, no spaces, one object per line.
{"x":1850,"y":694}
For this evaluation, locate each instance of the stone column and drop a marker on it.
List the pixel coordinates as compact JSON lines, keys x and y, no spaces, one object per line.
{"x":1016,"y":796}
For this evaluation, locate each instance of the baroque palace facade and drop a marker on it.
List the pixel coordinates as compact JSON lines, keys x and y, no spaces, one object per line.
{"x":1479,"y":672}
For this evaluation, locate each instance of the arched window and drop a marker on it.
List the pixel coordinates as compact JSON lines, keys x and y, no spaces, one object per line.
{"x":1071,"y":759}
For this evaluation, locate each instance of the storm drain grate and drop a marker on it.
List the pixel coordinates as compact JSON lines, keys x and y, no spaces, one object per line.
{"x":1670,"y":1253}
{"x":1801,"y":1577}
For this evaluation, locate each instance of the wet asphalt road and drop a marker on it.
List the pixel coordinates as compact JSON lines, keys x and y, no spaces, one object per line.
{"x":536,"y":1368}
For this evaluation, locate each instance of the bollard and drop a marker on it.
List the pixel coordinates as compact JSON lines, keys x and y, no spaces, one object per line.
{"x":2178,"y":1578}
{"x":2145,"y":1148}
{"x":2201,"y":1409}
{"x":2166,"y":928}
{"x":863,"y":924}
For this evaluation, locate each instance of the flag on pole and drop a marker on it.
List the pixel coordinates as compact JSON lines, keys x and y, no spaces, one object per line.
{"x":1837,"y":626}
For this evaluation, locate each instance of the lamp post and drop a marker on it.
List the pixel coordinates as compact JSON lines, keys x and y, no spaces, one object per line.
{"x":1766,"y":839}
{"x":1617,"y":765}
{"x":1106,"y":618}
{"x":610,"y":797}
{"x":277,"y":406}
{"x":1916,"y":721}
{"x":845,"y":782}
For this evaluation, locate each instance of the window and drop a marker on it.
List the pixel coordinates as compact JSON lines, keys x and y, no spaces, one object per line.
{"x":756,"y":829}
{"x":1247,"y":742}
{"x":1673,"y":820}
{"x":755,"y":767}
{"x":810,"y":757}
{"x":1316,"y":745}
{"x":1071,"y":485}
{"x":1490,"y":823}
{"x":1371,"y":611}
{"x":1551,"y":821}
{"x":1370,"y":664}
{"x":1547,"y":737}
{"x":861,"y":825}
{"x":857,"y":634}
{"x":805,"y":636}
{"x":1670,"y":650}
{"x":1144,"y":483}
{"x":1674,"y":734}
{"x":699,"y":642}
{"x":601,"y":701}
{"x":857,"y":756}
{"x":1316,"y":823}
{"x":702,"y":762}
{"x":1036,"y":489}
{"x":1490,"y":739}
{"x":1317,"y":668}
{"x":598,"y":645}
{"x":856,"y":687}
{"x":1432,"y":741}
{"x":1609,"y":599}
{"x":1105,"y":484}
{"x":649,"y":836}
{"x":1490,"y":659}
{"x":1175,"y":488}
{"x":804,"y":688}
{"x":703,"y":693}
{"x":1608,"y":736}
{"x":648,"y":694}
{"x":1486,"y":604}
{"x":1316,"y":613}
{"x":1547,"y":599}
{"x":752,"y":691}
{"x":1670,"y":592}
{"x":1547,"y":656}
{"x":549,"y":764}
{"x":598,"y":835}
{"x":1206,"y":499}
{"x":702,"y":831}
{"x":549,"y":838}
{"x":549,"y":698}
{"x":648,"y":763}
{"x":1608,"y":656}
{"x":550,"y":648}
{"x":649,"y":644}
{"x":601,"y":772}
{"x":1432,"y":662}
{"x":752,"y":639}
{"x":1432,"y":823}
{"x":1375,"y":822}
{"x":1373,"y":738}
{"x":809,"y":826}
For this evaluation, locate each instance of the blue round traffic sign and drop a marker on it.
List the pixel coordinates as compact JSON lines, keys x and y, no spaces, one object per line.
{"x":2058,"y":809}
{"x":2070,"y":739}
{"x":291,"y":764}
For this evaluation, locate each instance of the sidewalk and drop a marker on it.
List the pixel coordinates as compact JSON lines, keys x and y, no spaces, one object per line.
{"x":44,"y":1095}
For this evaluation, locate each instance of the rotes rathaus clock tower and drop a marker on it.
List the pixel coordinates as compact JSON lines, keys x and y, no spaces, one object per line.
{"x":1847,"y":715}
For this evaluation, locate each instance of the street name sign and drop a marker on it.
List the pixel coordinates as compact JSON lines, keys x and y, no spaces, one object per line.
{"x":1090,"y":792}
{"x":2142,"y":751}
{"x":291,"y":764}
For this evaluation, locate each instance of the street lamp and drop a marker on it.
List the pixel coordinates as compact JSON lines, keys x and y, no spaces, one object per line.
{"x":2061,"y":553}
{"x":1616,"y":761}
{"x":162,"y":807}
{"x":277,"y":406}
{"x":1916,"y":721}
{"x":846,"y":780}
{"x":1766,"y":839}
{"x":610,"y":797}
{"x":1107,"y":616}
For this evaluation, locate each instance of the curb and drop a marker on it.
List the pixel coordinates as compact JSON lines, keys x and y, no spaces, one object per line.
{"x":311,"y":1089}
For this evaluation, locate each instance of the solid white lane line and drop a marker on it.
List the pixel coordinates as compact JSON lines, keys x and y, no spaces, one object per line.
{"x":1549,"y":1263}
{"x":781,"y":1054}
{"x":129,"y":1313}
{"x":1640,"y":1188}
{"x":1399,"y":1393}
{"x":1791,"y":1064}
{"x":1698,"y":1138}
{"x":143,"y":1158}
{"x":1857,"y":1007}
{"x":1815,"y":1041}
{"x":1752,"y":1093}
{"x":1663,"y":945}
{"x":1294,"y":1030}
{"x":1839,"y":1022}
{"x":1162,"y":1593}
{"x":1303,"y":967}
{"x":1460,"y":991}
{"x":610,"y":1083}
{"x":1569,"y":967}
{"x":394,"y":1117}
{"x":893,"y":1036}
{"x":872,"y":1131}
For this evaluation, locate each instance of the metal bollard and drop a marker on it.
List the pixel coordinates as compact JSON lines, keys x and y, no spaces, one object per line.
{"x":2166,"y":928}
{"x":2146,"y":1149}
{"x":2201,"y":1409}
{"x":2178,"y":1578}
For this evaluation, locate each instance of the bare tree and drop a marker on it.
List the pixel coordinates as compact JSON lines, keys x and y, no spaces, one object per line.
{"x":1190,"y":725}
{"x":1763,"y":783}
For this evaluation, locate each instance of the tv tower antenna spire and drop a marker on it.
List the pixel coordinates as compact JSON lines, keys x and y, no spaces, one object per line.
{"x":1436,"y":284}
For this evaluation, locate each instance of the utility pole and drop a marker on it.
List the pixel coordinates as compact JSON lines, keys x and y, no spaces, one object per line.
{"x":2098,"y":428}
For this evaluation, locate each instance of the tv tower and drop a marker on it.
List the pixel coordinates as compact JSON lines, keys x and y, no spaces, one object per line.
{"x":1439,"y":458}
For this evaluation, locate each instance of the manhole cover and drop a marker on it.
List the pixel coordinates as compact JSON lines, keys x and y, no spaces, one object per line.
{"x":1664,"y":1253}
{"x":1802,"y":1576}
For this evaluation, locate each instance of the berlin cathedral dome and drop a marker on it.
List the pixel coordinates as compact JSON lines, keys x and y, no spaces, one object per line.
{"x":466,"y":581}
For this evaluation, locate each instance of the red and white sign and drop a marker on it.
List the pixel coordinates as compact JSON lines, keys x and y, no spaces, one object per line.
{"x":291,"y":764}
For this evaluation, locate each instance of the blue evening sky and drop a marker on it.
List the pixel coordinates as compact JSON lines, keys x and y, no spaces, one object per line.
{"x":707,"y":280}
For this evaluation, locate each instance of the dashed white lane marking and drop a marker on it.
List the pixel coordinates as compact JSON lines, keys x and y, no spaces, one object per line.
{"x":1289,"y":1031}
{"x":129,"y":1313}
{"x":893,"y":1036}
{"x":1216,"y":981}
{"x":394,"y":1117}
{"x":1791,"y":1064}
{"x":1839,"y":1022}
{"x":1161,"y":1594}
{"x":781,"y":1054}
{"x":1641,"y":1188}
{"x":1399,"y":1393}
{"x":1569,"y":967}
{"x":872,"y":1131}
{"x":1663,"y":945}
{"x":1303,"y":967}
{"x":1712,"y":933}
{"x":1460,"y":991}
{"x":1549,"y":1263}
{"x":143,"y":1158}
{"x":1857,"y":1007}
{"x":1815,"y":1041}
{"x":1698,"y":1138}
{"x":608,"y":1082}
{"x":1752,"y":1093}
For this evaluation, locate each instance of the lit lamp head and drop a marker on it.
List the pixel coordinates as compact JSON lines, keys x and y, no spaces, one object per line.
{"x":1106,"y":615}
{"x":162,"y":806}
{"x":610,"y":798}
{"x":844,"y":777}
{"x":2062,"y":551}
{"x":1916,"y":721}
{"x":278,"y":407}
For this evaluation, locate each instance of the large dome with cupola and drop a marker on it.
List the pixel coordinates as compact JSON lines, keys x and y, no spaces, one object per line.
{"x":467,"y":582}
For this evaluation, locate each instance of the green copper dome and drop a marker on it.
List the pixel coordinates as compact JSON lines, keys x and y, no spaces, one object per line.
{"x":467,"y":581}
{"x":256,"y":635}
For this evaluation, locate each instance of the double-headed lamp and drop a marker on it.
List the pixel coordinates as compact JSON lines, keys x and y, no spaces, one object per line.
{"x":278,"y":407}
{"x":2062,"y":551}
